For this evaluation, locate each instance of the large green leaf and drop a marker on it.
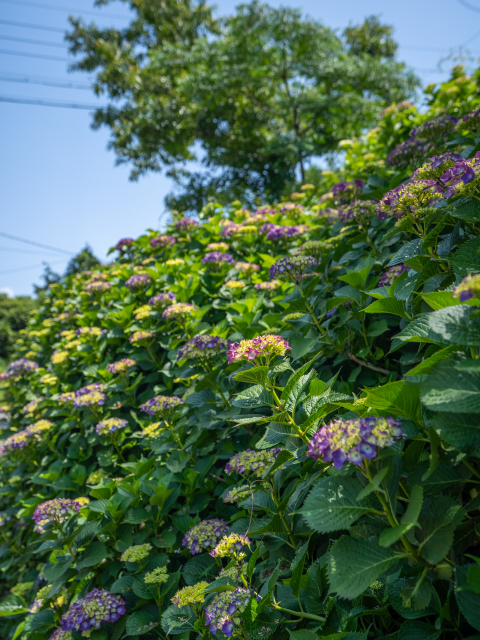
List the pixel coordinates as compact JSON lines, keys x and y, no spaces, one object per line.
{"x":388,"y":305}
{"x":353,"y":565}
{"x":177,"y":620}
{"x":460,"y":430}
{"x":139,"y":623}
{"x":418,"y":631}
{"x":407,"y":251}
{"x":418,"y":330}
{"x":467,"y":208}
{"x":332,"y":504}
{"x":397,"y":398}
{"x":357,"y":277}
{"x":256,"y":375}
{"x":430,"y":363}
{"x":467,"y":258}
{"x":297,"y":569}
{"x":455,"y":325}
{"x":449,"y":388}
{"x":255,"y":396}
{"x":467,"y":599}
{"x":437,"y":523}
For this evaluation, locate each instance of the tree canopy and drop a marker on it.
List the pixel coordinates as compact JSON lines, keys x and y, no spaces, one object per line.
{"x":255,"y":96}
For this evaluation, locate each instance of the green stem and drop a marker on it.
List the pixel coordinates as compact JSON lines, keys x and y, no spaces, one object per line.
{"x":309,"y":616}
{"x":282,"y":516}
{"x":471,"y":468}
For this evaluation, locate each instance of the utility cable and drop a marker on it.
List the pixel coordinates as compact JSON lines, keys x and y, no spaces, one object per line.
{"x":48,"y":103}
{"x":39,"y":5}
{"x":32,"y":266}
{"x":30,"y":41}
{"x":36,"y":244}
{"x":28,"y":25}
{"x":464,"y":3}
{"x":10,"y":250}
{"x":34,"y":55}
{"x":47,"y":82}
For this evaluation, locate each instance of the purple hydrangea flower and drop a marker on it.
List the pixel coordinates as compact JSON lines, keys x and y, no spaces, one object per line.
{"x":216,"y":260}
{"x":204,"y":535}
{"x":110,"y":425}
{"x":89,"y":612}
{"x":138,"y":281}
{"x":204,"y":346}
{"x":185,"y":223}
{"x":266,"y":228}
{"x":408,"y":151}
{"x":353,"y":440}
{"x":468,"y":288}
{"x":247,"y":268}
{"x":255,"y":462}
{"x":292,"y":267}
{"x":347,"y":190}
{"x":161,"y":405}
{"x":124,"y":244}
{"x":139,"y":336}
{"x":231,"y":546}
{"x":54,"y":511}
{"x":89,"y":399}
{"x":96,"y":386}
{"x":162,"y":300}
{"x":97,"y":286}
{"x":470,"y":122}
{"x":18,"y":368}
{"x":179,"y":311}
{"x":121,"y":366}
{"x":162,"y":242}
{"x":263,"y":347}
{"x":391,"y":275}
{"x":60,"y":634}
{"x":223,"y":612}
{"x":434,"y":128}
{"x":357,"y":211}
{"x":281,"y":233}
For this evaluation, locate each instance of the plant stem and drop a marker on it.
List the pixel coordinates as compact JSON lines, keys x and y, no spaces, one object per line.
{"x":309,"y":616}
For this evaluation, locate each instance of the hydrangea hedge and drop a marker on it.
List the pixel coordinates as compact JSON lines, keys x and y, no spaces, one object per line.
{"x":262,"y":424}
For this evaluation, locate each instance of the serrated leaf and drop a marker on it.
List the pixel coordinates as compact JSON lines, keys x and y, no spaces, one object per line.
{"x":255,"y":396}
{"x":388,"y":305}
{"x":122,"y":584}
{"x":394,"y":596}
{"x":252,"y":561}
{"x":257,"y":375}
{"x":449,"y":389}
{"x":455,"y":325}
{"x":467,"y":208}
{"x":407,"y":251}
{"x":418,"y":631}
{"x":282,"y":458}
{"x":93,"y":554}
{"x":354,"y":564}
{"x":297,"y":569}
{"x":139,"y":623}
{"x":12,"y":606}
{"x":468,"y":600}
{"x":177,"y":620}
{"x":332,"y":504}
{"x":294,"y":378}
{"x":430,"y":363}
{"x":437,"y":522}
{"x":418,"y":330}
{"x":460,"y":430}
{"x":374,"y":485}
{"x":466,"y":259}
{"x":43,"y":618}
{"x":198,"y":568}
{"x":397,"y":398}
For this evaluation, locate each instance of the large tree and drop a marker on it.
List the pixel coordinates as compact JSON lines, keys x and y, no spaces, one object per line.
{"x":260,"y":92}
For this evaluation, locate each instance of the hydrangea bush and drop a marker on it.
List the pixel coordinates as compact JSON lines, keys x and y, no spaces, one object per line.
{"x":262,"y":424}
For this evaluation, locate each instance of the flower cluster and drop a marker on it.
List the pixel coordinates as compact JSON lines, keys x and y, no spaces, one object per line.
{"x":121,"y":366}
{"x":139,"y":336}
{"x":217,"y":246}
{"x":175,"y":262}
{"x":161,"y":405}
{"x":157,"y":576}
{"x":137,"y":553}
{"x":89,"y":399}
{"x":204,"y":346}
{"x":238,"y":494}
{"x":18,"y":368}
{"x":153,"y":430}
{"x":89,"y":331}
{"x":60,"y":634}
{"x":54,"y":511}
{"x":406,"y":152}
{"x":266,"y":228}
{"x":23,"y":438}
{"x":353,"y":440}
{"x":4,"y":518}
{"x":179,"y":311}
{"x":263,"y":347}
{"x":32,"y":406}
{"x":357,"y":211}
{"x":268,"y":286}
{"x":89,"y":612}
{"x":391,"y":275}
{"x":138,"y":281}
{"x":247,"y":268}
{"x":124,"y":244}
{"x":223,"y":612}
{"x":96,"y":386}
{"x":347,"y":190}
{"x":190,"y":595}
{"x":434,"y":128}
{"x":408,"y":199}
{"x":235,"y":284}
{"x":233,"y":230}
{"x":231,"y":546}
{"x":110,"y":425}
{"x":185,"y":223}
{"x":470,"y":122}
{"x":97,"y":286}
{"x":468,"y":288}
{"x":292,"y":267}
{"x":162,"y":300}
{"x":233,"y":573}
{"x":162,"y":242}
{"x":216,"y":261}
{"x":282,"y":233}
{"x":204,"y":535}
{"x":436,"y":166}
{"x":255,"y":462}
{"x":314,"y":248}
{"x":142,"y":312}
{"x":68,"y":396}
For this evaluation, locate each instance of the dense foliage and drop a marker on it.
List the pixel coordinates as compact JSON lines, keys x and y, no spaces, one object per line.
{"x":14,"y":316}
{"x":253,"y":96}
{"x":260,"y":424}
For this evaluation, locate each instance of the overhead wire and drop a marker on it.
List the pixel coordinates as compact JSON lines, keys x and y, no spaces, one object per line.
{"x":24,"y":54}
{"x":62,"y":45}
{"x":28,"y":25}
{"x":48,"y":103}
{"x":48,"y":82}
{"x":465,"y":4}
{"x":39,"y":5}
{"x":32,"y":266}
{"x":34,"y":243}
{"x":37,"y":253}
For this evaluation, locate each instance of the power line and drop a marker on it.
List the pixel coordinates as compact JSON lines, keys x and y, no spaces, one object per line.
{"x":44,"y":81}
{"x":38,"y":5}
{"x":464,"y":3}
{"x":30,"y":41}
{"x":33,"y":55}
{"x":36,"y":244}
{"x":47,"y":103}
{"x":28,"y":25}
{"x":32,"y":266}
{"x":37,"y":253}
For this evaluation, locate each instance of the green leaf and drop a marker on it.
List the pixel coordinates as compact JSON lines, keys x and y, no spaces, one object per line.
{"x":298,"y":389}
{"x":332,"y":504}
{"x":374,"y":485}
{"x":282,"y":458}
{"x":198,"y":568}
{"x":354,"y":564}
{"x":430,"y":363}
{"x":455,"y":326}
{"x":313,"y":594}
{"x":441,"y":299}
{"x":451,"y":389}
{"x":294,"y":378}
{"x":122,"y":584}
{"x":418,"y":631}
{"x":460,"y":430}
{"x":397,"y":398}
{"x":388,"y":305}
{"x":407,"y":251}
{"x":395,"y":598}
{"x":357,"y":277}
{"x":466,"y":259}
{"x":272,"y":583}
{"x":438,"y":520}
{"x":442,"y":478}
{"x":257,"y":375}
{"x":178,"y":620}
{"x":303,"y":634}
{"x":255,"y":396}
{"x":93,"y":554}
{"x":467,"y":208}
{"x":418,"y":330}
{"x":12,"y":606}
{"x":297,"y":569}
{"x":468,"y":601}
{"x":252,"y":561}
{"x":43,"y":618}
{"x":139,"y":623}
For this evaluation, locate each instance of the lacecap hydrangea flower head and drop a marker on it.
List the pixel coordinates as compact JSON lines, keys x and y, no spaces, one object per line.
{"x":468,"y":288}
{"x":190,"y":596}
{"x":138,"y":281}
{"x":110,"y":425}
{"x":89,"y":612}
{"x":162,"y":242}
{"x":353,"y":440}
{"x":179,"y":311}
{"x":204,"y":535}
{"x":391,"y":274}
{"x":68,"y":396}
{"x":89,"y":399}
{"x":231,"y":546}
{"x":121,"y":366}
{"x":185,"y":223}
{"x":31,"y":407}
{"x":292,"y":267}
{"x":202,"y":347}
{"x":252,"y":462}
{"x":60,"y":634}
{"x":247,"y":268}
{"x":357,"y":211}
{"x":137,"y":553}
{"x":161,"y":405}
{"x":217,"y":246}
{"x":216,"y":261}
{"x":261,"y":349}
{"x":54,"y":511}
{"x":223,"y":612}
{"x":162,"y":300}
{"x":143,"y":335}
{"x":20,"y":367}
{"x":272,"y":285}
{"x":238,"y":494}
{"x":470,"y":122}
{"x":97,"y":286}
{"x":157,"y":576}
{"x":124,"y":244}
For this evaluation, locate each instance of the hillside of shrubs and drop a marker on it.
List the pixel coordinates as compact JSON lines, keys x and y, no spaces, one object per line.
{"x":263,"y":423}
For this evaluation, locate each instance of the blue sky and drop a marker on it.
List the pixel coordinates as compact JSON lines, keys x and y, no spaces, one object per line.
{"x":58,"y":183}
